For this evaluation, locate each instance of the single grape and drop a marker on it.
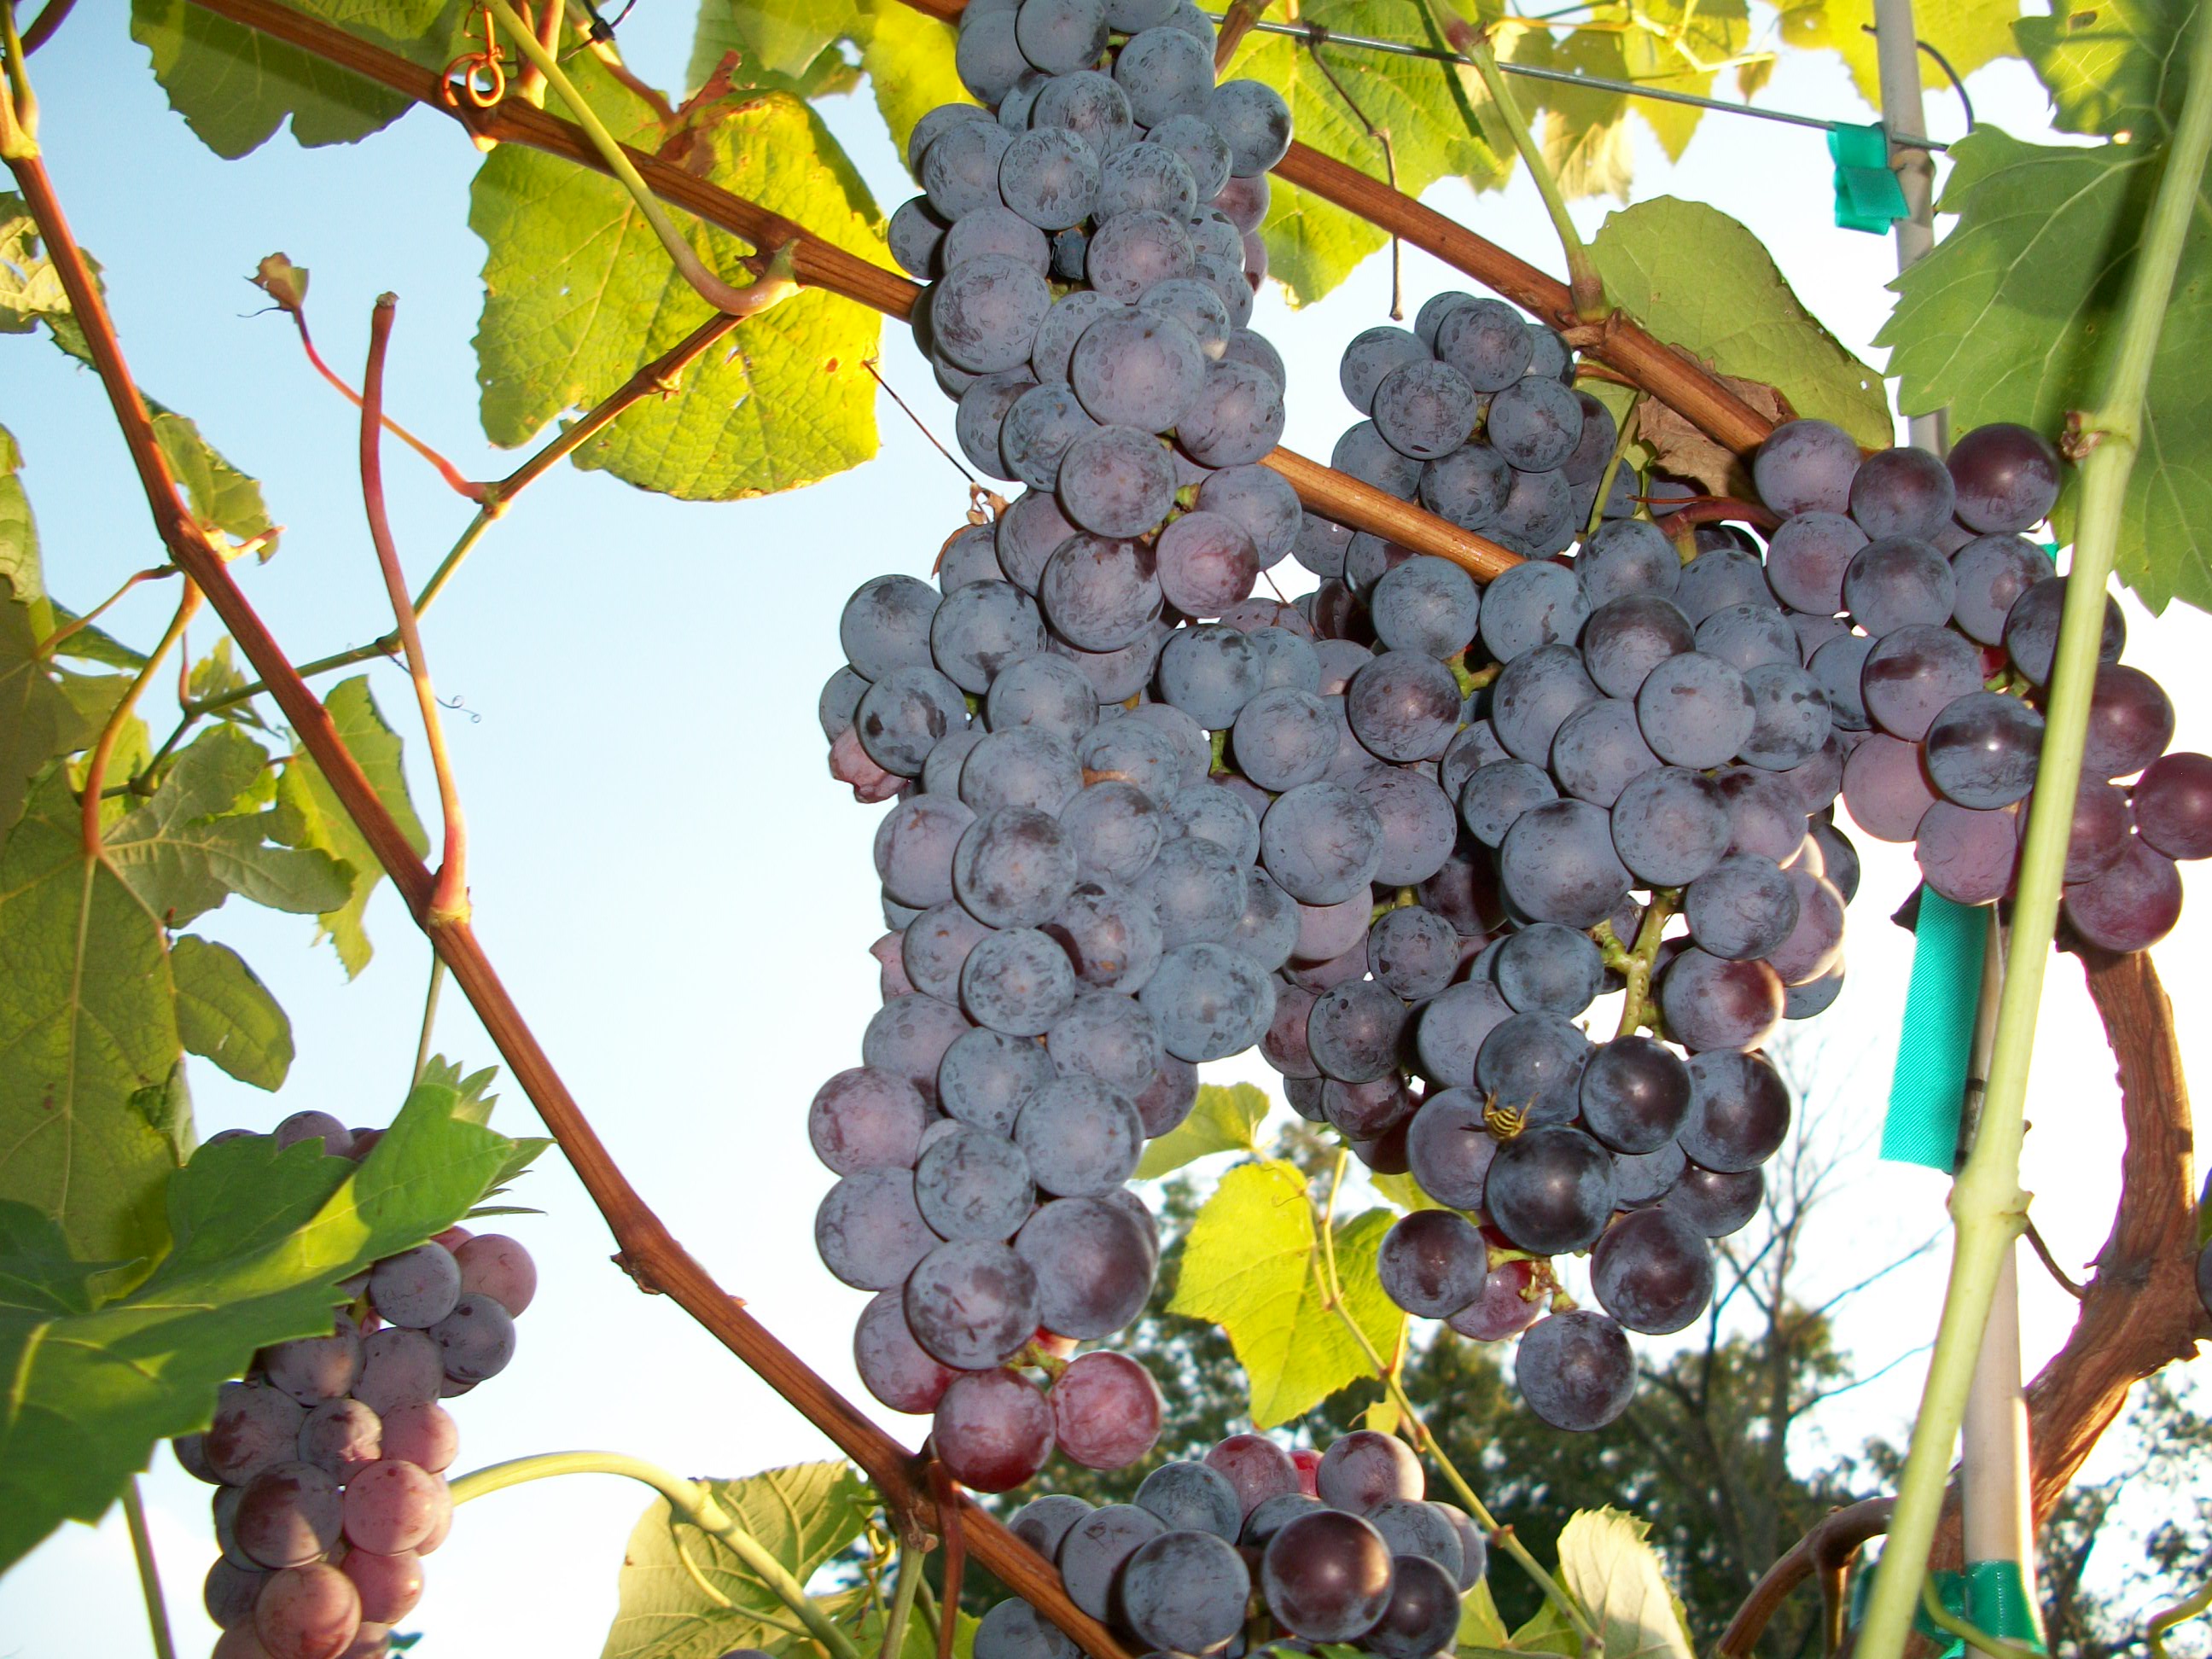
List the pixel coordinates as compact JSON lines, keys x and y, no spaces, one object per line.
{"x":1450,"y":1030}
{"x":2173,"y":806}
{"x":339,"y":1437}
{"x":2131,"y":904}
{"x":1534,"y":424}
{"x":414,"y":1288}
{"x":476,"y":1339}
{"x":1536,"y":602}
{"x":1097,"y":1548}
{"x":1670,"y":826}
{"x":1991,"y":573}
{"x":1902,"y":492}
{"x":256,"y":1426}
{"x":423,"y":1435}
{"x":306,"y":1613}
{"x":1695,"y":711}
{"x":389,"y":1585}
{"x":1915,"y":673}
{"x":1533,"y":696}
{"x":1432,"y":1263}
{"x":1742,"y":907}
{"x":2031,"y":630}
{"x":2006,"y":476}
{"x":1886,"y":789}
{"x":1425,"y":408}
{"x":905,"y":714}
{"x":399,"y":1368}
{"x":287,"y":1515}
{"x":229,"y":1593}
{"x":1557,"y":863}
{"x":1327,"y":1576}
{"x":992,"y":1429}
{"x":1114,"y":481}
{"x":392,"y":1506}
{"x":1015,"y":1630}
{"x":1599,"y":749}
{"x":2130,"y":722}
{"x":1806,"y":466}
{"x":1042,"y":1522}
{"x":1739,"y":1111}
{"x":1634,"y":1095}
{"x":1321,"y":842}
{"x":1969,"y":857}
{"x":1653,"y":1272}
{"x":1484,"y":339}
{"x":1716,"y":1203}
{"x":1709,"y":1002}
{"x":1253,"y":118}
{"x":1550,"y":1189}
{"x":1237,"y":418}
{"x":869,"y":1232}
{"x":1576,"y":1370}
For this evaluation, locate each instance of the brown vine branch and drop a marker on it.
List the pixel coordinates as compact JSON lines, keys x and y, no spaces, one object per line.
{"x":1718,"y":509}
{"x":1236,"y":23}
{"x":1826,"y":1551}
{"x":449,"y":898}
{"x":648,"y":1251}
{"x":2059,"y":1276}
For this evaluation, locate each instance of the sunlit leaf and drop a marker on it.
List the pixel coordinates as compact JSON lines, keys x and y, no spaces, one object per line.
{"x":1968,"y":33}
{"x":1223,"y":1120}
{"x":225,"y":1013}
{"x":2112,"y":66}
{"x":1618,"y":1579}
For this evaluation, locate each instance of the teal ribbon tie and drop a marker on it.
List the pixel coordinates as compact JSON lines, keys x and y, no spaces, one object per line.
{"x":1929,"y":1086}
{"x":1868,"y":196}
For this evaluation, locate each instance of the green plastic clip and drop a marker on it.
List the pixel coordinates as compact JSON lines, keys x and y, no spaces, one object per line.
{"x":1928,"y":1088}
{"x":1868,"y":197}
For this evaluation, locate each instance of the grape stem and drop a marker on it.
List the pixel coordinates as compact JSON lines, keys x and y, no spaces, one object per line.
{"x":1332,"y":1290}
{"x":2154,"y":1633}
{"x":149,"y":1574}
{"x":902,"y":1594}
{"x":690,"y":1499}
{"x":1987,"y":1204}
{"x":1584,"y":286}
{"x":1622,"y":438}
{"x":1635,"y":965}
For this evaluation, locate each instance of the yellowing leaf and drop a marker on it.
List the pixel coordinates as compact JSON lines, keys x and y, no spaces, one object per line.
{"x":579,"y":294}
{"x":1968,"y":33}
{"x":1698,"y":279}
{"x":1251,"y":1265}
{"x":1223,"y":1120}
{"x":802,"y":1516}
{"x":2009,"y":318}
{"x":1616,"y":1576}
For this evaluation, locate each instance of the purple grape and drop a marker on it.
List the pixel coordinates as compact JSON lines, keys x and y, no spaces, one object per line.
{"x":1432,"y":1263}
{"x":2031,"y":630}
{"x":1652,"y":1272}
{"x":1634,"y":1095}
{"x":1991,"y":573}
{"x":1092,"y":1264}
{"x":992,"y":1431}
{"x":2130,"y":722}
{"x":1902,"y":492}
{"x":1982,"y":750}
{"x":2006,"y":476}
{"x":476,"y":1339}
{"x":1887,"y":789}
{"x":1806,"y":466}
{"x":1550,"y":1189}
{"x":1714,"y":1202}
{"x":2173,"y":806}
{"x":2132,"y":903}
{"x":1969,"y":857}
{"x":1709,"y":1002}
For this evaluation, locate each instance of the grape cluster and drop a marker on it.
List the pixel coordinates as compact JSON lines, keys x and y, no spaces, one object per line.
{"x":1937,"y":624}
{"x":1074,"y":930}
{"x":329,"y":1458}
{"x":1339,"y":1548}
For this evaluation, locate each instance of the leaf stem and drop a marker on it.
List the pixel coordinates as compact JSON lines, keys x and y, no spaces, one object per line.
{"x":692,"y":1500}
{"x":149,"y":1573}
{"x":429,"y":1016}
{"x":902,"y":1594}
{"x":775,"y":283}
{"x":449,"y":899}
{"x":455,"y":480}
{"x":46,"y":646}
{"x":1332,"y":1292}
{"x":2154,"y":1633}
{"x":1987,"y":1204}
{"x":19,"y":105}
{"x":103,"y":750}
{"x":1584,"y":286}
{"x":1623,"y":436}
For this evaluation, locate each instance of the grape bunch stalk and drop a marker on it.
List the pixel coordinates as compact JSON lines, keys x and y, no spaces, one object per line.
{"x":1258,"y":1542}
{"x":1078,"y":917}
{"x":329,"y":1458}
{"x":1940,"y":626}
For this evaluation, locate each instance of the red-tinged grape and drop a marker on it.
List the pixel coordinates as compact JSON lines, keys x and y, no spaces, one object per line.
{"x":1432,"y":1263}
{"x":1915,"y":672}
{"x":1991,"y":573}
{"x":476,"y":1340}
{"x":973,"y":1302}
{"x":992,"y":1429}
{"x":1966,"y":856}
{"x":398,"y":1367}
{"x":191,"y":1452}
{"x":1653,"y":1272}
{"x":389,"y":1585}
{"x":1309,"y":1462}
{"x":440,"y":1527}
{"x":392,"y":1506}
{"x":860,"y":1119}
{"x":372,"y":1641}
{"x":230,"y":1593}
{"x":1362,"y":1469}
{"x":1886,"y":787}
{"x":1106,"y":1411}
{"x":2131,"y":904}
{"x":1712,"y":1003}
{"x":2172,"y":802}
{"x":2006,"y":476}
{"x":1327,"y":1576}
{"x":341,"y":1436}
{"x":1255,"y":1467}
{"x":1423,"y":1614}
{"x":255,"y":1425}
{"x":2130,"y":723}
{"x":1503,"y":1308}
{"x":416,"y":1288}
{"x":313,"y":1368}
{"x":1815,"y":945}
{"x":308,"y":1613}
{"x":425,"y":1435}
{"x":1185,"y":1591}
{"x":869,"y":1232}
{"x":241,"y":1642}
{"x":1575,"y":1369}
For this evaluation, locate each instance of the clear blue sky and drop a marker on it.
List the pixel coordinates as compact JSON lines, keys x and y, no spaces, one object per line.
{"x":677,"y":896}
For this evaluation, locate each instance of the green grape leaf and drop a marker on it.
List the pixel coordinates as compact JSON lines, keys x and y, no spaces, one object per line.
{"x":226,"y":1014}
{"x":684,"y":1594}
{"x":799,"y":45}
{"x":1673,"y":56}
{"x":236,"y":86}
{"x":37,"y":722}
{"x":1699,"y":280}
{"x":907,"y":56}
{"x":1610,"y":1569}
{"x":579,"y":294}
{"x":30,"y":288}
{"x":1403,"y":1191}
{"x":2007,"y":320}
{"x":1223,"y":1120}
{"x":1422,"y":104}
{"x":1479,"y":1625}
{"x":1547,"y":1630}
{"x":215,"y":675}
{"x":20,"y":569}
{"x":262,"y":1236}
{"x":1968,"y":33}
{"x":309,"y":815}
{"x":86,"y":1020}
{"x":1252,"y":1266}
{"x":917,"y":1642}
{"x":192,"y":847}
{"x":1584,"y":134}
{"x":2111,"y":66}
{"x":220,"y":496}
{"x":91,"y":643}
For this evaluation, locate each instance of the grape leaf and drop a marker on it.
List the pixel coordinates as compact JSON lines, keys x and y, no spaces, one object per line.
{"x":235,"y":86}
{"x":216,"y":675}
{"x":1968,"y":33}
{"x":1252,"y":1266}
{"x":1584,"y":134}
{"x":86,"y":1020}
{"x":262,"y":1236}
{"x":1403,"y":1191}
{"x":308,"y":813}
{"x":1698,"y":279}
{"x":1479,"y":1625}
{"x":2110,"y":65}
{"x":803,"y":1515}
{"x":1616,"y":1576}
{"x":19,"y":538}
{"x":220,"y":494}
{"x":1311,"y":245}
{"x":918,"y":1643}
{"x":579,"y":294}
{"x":907,"y":56}
{"x":37,"y":722}
{"x":799,"y":45}
{"x":190,"y":848}
{"x":2007,"y":320}
{"x":1681,"y":38}
{"x":225,"y":1013}
{"x":1223,"y":1120}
